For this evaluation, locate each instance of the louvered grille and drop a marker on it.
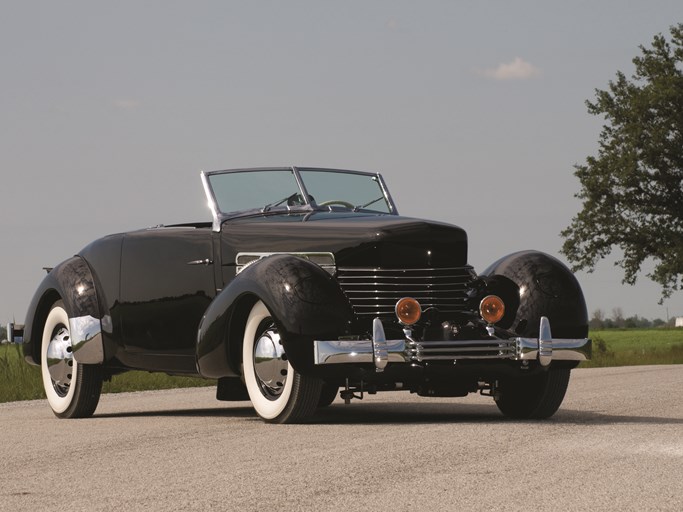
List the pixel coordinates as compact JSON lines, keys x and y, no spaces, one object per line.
{"x":374,"y":292}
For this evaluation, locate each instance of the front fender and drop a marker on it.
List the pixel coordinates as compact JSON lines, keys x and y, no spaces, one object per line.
{"x":546,"y":288}
{"x":304,"y":300}
{"x":73,"y":283}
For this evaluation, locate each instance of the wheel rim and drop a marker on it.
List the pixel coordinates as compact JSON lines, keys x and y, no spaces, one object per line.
{"x":55,"y":356}
{"x":60,"y":360}
{"x":267,"y":404}
{"x":270,"y":363}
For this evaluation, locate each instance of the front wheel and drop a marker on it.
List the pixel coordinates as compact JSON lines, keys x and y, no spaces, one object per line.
{"x":278,"y":393}
{"x":535,"y":397}
{"x":72,"y":389}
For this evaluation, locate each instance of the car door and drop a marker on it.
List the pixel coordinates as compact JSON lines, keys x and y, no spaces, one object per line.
{"x":167,"y":282}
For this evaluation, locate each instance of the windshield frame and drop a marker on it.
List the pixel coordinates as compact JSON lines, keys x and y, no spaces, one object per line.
{"x":309,"y":206}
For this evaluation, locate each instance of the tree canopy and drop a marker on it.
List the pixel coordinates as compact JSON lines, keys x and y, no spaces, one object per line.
{"x":632,"y":191}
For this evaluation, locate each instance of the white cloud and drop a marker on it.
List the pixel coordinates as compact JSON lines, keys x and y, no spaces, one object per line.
{"x":392,"y":24}
{"x":126,"y":104}
{"x":518,"y":69}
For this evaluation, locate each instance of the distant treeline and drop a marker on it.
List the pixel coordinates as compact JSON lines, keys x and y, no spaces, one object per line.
{"x":599,"y":320}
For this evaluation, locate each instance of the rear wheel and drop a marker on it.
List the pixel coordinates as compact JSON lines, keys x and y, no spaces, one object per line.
{"x":535,"y":397}
{"x":72,"y":389}
{"x":278,"y":393}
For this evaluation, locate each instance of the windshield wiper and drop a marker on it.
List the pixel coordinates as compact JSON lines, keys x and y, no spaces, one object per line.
{"x":361,"y":206}
{"x":289,"y":198}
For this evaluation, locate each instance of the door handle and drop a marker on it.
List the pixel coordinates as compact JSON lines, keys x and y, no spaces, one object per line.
{"x":206,"y":261}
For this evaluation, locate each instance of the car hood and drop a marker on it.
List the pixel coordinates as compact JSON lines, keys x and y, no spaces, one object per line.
{"x":356,"y":239}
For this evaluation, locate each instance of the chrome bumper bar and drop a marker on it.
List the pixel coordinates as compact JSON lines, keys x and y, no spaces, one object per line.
{"x":381,"y":351}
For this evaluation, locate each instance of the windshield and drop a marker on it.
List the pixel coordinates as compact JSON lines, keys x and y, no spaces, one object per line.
{"x":264,"y":190}
{"x":349,"y":190}
{"x":249,"y":190}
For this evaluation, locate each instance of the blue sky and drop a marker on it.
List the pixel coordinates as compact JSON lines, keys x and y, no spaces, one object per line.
{"x":473,"y":111}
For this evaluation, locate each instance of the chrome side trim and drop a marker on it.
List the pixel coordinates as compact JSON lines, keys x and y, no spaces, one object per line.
{"x":86,"y":339}
{"x":325,"y":260}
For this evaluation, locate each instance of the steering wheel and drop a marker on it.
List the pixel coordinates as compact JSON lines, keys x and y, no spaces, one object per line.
{"x":339,"y":202}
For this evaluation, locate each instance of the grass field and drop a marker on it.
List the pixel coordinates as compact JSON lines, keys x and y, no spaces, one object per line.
{"x":613,"y":347}
{"x":21,"y":381}
{"x":630,"y":347}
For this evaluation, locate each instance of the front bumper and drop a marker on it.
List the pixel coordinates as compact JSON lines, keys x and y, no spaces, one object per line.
{"x":381,"y":351}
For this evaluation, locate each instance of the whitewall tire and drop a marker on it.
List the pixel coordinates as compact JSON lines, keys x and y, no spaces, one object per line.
{"x":72,"y":389}
{"x":278,"y":393}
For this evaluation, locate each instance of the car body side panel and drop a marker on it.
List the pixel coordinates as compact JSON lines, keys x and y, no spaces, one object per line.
{"x":167,"y":283}
{"x":104,"y":259}
{"x":305,"y":302}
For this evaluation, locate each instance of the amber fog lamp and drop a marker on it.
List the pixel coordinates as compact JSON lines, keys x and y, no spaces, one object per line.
{"x":492,"y":309}
{"x":408,"y":310}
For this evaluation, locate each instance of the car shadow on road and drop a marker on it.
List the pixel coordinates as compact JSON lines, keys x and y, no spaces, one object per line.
{"x":457,"y":413}
{"x":397,"y":413}
{"x":232,"y":412}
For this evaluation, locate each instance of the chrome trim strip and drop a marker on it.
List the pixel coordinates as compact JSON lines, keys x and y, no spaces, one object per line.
{"x":431,"y":270}
{"x":86,"y":339}
{"x":211,"y":201}
{"x":324,"y":260}
{"x":387,"y":195}
{"x":302,"y":188}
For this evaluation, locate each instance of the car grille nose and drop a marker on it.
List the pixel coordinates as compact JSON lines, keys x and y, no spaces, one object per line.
{"x":375,"y":291}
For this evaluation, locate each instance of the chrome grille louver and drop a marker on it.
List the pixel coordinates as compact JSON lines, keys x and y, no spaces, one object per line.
{"x":452,"y":350}
{"x":375,"y":291}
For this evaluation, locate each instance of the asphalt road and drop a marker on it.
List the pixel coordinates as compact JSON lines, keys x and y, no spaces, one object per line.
{"x":616,"y":444}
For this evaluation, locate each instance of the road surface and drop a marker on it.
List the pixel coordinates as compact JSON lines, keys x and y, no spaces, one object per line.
{"x":616,"y":444}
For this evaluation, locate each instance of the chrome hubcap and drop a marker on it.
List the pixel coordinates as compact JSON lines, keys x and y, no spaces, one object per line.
{"x":60,"y":360}
{"x":270,"y":364}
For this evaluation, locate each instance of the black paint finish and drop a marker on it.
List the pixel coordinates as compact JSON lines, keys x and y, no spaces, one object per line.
{"x":356,"y":239}
{"x":167,"y":283}
{"x":70,"y":281}
{"x":547,"y":288}
{"x":176,"y":305}
{"x":305,"y":302}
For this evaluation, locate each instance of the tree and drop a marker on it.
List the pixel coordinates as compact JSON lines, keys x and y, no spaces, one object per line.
{"x":598,"y":320}
{"x":632,"y":192}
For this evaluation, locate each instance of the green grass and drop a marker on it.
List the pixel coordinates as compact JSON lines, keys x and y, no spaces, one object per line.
{"x":631,"y":347}
{"x":21,"y":381}
{"x":612,"y":347}
{"x":18,"y":380}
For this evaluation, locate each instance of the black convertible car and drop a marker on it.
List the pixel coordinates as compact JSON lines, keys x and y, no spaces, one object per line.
{"x":305,"y":283}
